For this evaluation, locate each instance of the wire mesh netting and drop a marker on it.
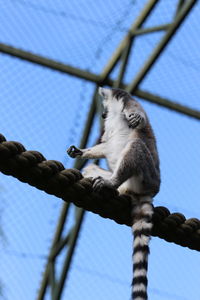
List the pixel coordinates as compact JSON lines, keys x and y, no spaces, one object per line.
{"x":182,"y":66}
{"x":46,"y":111}
{"x":33,"y":111}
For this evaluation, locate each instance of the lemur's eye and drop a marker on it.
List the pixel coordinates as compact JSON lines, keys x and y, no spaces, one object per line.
{"x":104,"y":113}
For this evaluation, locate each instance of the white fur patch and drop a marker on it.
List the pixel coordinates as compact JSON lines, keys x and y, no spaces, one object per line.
{"x":93,"y":170}
{"x":139,"y":257}
{"x":116,"y":134}
{"x":134,"y":184}
{"x":141,"y":225}
{"x":141,"y":272}
{"x":141,"y":241}
{"x":147,"y":210}
{"x":139,"y":287}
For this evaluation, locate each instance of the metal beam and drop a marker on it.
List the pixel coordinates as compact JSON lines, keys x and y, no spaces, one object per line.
{"x":49,"y":63}
{"x":167,"y":103}
{"x":179,"y":6}
{"x":151,"y":29}
{"x":96,"y":79}
{"x":162,"y":101}
{"x":161,"y":46}
{"x":57,"y":237}
{"x":124,"y":62}
{"x":58,"y":288}
{"x":136,"y":25}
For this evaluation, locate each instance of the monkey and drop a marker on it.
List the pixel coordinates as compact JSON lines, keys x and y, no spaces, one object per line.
{"x":129,"y":146}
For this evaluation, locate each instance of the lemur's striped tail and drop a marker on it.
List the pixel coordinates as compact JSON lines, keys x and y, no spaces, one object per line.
{"x":142,"y":230}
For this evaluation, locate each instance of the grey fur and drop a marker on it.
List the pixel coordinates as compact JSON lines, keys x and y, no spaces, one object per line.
{"x":128,"y":144}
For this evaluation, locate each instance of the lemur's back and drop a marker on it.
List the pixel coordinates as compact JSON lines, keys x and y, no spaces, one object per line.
{"x":118,"y":138}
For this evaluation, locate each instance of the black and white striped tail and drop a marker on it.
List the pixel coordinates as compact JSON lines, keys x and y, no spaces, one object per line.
{"x":142,"y":230}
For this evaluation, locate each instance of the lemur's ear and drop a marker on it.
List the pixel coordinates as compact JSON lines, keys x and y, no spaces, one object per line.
{"x":104,"y":92}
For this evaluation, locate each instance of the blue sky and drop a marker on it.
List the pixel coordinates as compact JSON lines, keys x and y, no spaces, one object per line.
{"x":46,"y":111}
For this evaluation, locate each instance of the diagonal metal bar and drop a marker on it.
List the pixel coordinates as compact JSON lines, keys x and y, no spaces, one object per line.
{"x":164,"y":102}
{"x":80,"y":213}
{"x":151,"y":29}
{"x":58,"y":233}
{"x":68,"y":258}
{"x":49,"y":63}
{"x":80,"y":74}
{"x":167,"y":103}
{"x":179,"y":6}
{"x":95,"y":78}
{"x":56,"y":289}
{"x":124,"y":62}
{"x":161,"y":46}
{"x":136,"y":25}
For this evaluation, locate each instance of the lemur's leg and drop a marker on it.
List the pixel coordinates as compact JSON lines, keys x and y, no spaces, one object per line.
{"x":135,"y":160}
{"x":96,"y":151}
{"x":93,"y":170}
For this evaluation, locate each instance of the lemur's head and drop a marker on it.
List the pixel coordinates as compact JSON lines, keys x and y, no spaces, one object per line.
{"x":114,"y":100}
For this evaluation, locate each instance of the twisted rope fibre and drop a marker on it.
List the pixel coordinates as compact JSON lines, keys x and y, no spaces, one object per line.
{"x":51,"y":176}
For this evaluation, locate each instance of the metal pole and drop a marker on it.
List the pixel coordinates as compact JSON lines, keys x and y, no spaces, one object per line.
{"x":179,"y":6}
{"x":151,"y":29}
{"x":68,"y":259}
{"x":136,"y":25}
{"x":73,"y":237}
{"x":167,"y":103}
{"x":57,"y":236}
{"x":160,"y":47}
{"x":124,"y":62}
{"x":49,"y":63}
{"x":164,"y":102}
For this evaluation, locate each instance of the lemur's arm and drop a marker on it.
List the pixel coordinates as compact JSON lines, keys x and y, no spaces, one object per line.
{"x":96,"y":151}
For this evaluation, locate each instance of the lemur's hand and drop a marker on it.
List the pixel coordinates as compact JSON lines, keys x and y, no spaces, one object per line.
{"x":74,"y":152}
{"x":136,"y":120}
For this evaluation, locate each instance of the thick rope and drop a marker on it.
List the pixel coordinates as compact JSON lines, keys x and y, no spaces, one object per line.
{"x":51,"y":176}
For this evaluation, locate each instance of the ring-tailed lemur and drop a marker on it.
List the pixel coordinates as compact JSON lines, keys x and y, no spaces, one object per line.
{"x":129,"y":145}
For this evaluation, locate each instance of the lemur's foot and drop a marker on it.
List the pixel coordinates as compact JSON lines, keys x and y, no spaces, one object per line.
{"x":99,"y":183}
{"x":135,"y":120}
{"x":74,"y":152}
